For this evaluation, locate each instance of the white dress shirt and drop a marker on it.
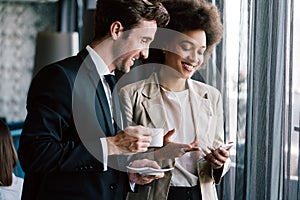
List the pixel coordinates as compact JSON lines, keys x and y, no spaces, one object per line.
{"x":102,"y":70}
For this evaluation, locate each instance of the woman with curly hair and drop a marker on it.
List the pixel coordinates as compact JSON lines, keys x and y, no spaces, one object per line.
{"x":170,"y":99}
{"x":10,"y":185}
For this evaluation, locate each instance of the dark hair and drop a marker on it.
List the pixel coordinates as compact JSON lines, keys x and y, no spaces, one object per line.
{"x":129,"y":13}
{"x":8,"y":155}
{"x":188,"y":15}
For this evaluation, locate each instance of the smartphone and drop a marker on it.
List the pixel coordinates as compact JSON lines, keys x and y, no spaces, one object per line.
{"x":227,"y":146}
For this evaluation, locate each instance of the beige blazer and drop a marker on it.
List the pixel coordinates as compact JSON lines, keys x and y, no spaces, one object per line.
{"x":143,"y":105}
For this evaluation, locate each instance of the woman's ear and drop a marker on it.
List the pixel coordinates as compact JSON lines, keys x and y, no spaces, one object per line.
{"x":115,"y":29}
{"x":165,"y":48}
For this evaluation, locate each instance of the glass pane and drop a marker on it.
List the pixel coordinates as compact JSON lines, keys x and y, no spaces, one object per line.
{"x":293,"y":186}
{"x":236,"y":36}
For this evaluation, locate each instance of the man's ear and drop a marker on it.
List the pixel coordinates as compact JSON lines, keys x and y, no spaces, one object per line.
{"x":115,"y":29}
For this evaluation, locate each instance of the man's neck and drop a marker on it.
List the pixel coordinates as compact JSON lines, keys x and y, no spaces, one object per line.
{"x":104,"y":49}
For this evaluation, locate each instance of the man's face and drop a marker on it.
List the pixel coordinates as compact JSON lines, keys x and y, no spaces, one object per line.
{"x":133,"y":44}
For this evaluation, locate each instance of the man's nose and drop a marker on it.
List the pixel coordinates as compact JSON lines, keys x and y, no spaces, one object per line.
{"x":145,"y":53}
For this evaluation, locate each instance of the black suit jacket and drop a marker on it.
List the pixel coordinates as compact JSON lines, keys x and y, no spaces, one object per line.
{"x":57,"y":164}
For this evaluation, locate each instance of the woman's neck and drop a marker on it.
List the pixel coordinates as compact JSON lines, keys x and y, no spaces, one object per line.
{"x":171,"y":83}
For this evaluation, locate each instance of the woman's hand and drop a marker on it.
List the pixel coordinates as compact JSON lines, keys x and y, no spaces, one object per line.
{"x":172,"y":150}
{"x":216,"y":157}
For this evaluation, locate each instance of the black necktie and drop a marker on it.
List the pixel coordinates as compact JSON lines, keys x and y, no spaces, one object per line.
{"x":111,"y":80}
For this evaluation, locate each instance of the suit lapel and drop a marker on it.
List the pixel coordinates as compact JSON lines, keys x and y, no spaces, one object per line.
{"x":101,"y":96}
{"x":200,"y":105}
{"x":201,"y":111}
{"x":102,"y":107}
{"x":153,"y":104}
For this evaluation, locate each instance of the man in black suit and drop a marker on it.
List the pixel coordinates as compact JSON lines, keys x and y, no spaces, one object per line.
{"x":69,"y":144}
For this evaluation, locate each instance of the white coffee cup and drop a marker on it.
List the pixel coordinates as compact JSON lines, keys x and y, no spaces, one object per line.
{"x":157,"y":137}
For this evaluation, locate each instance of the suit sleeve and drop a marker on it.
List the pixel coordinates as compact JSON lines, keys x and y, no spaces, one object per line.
{"x":49,"y":141}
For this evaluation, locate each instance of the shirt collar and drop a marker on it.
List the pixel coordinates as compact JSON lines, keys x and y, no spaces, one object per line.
{"x":101,"y":67}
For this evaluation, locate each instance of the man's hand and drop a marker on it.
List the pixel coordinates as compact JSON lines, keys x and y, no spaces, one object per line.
{"x":143,"y":179}
{"x":131,"y":140}
{"x":172,"y":150}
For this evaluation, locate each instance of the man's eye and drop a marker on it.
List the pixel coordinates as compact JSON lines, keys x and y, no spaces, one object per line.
{"x":145,"y":41}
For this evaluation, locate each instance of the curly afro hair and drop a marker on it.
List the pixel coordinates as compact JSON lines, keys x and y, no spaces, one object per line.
{"x":189,"y":15}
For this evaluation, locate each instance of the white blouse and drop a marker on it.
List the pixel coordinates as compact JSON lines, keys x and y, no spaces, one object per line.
{"x":12,"y":192}
{"x":179,"y":114}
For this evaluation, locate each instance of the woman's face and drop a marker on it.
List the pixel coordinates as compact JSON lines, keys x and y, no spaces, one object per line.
{"x":187,"y":53}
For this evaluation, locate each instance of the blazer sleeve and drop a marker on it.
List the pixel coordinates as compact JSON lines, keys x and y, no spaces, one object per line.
{"x":49,"y":141}
{"x":126,"y":106}
{"x":219,"y":139}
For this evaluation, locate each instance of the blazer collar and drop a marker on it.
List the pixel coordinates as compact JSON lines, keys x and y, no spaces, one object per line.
{"x":199,"y":98}
{"x":202,"y":110}
{"x":152,"y":88}
{"x":198,"y":92}
{"x":83,"y":53}
{"x":153,"y":102}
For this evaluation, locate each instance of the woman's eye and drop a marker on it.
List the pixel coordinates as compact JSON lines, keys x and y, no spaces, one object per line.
{"x":200,"y":53}
{"x":186,"y":46}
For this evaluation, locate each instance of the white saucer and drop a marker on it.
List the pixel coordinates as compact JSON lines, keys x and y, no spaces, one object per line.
{"x":149,"y":170}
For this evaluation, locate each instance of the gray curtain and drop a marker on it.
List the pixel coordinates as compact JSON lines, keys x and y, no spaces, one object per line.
{"x":68,"y":16}
{"x":268,"y":53}
{"x":262,"y":163}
